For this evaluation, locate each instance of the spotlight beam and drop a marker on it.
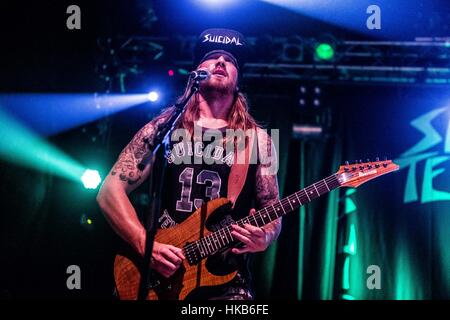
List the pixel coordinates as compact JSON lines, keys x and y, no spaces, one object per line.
{"x":50,"y":114}
{"x":21,"y":146}
{"x":396,"y":17}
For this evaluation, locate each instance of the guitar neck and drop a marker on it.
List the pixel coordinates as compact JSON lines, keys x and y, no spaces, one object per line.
{"x":290,"y":203}
{"x":222,"y":237}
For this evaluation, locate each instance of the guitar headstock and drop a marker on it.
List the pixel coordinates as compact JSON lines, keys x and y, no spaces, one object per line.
{"x":353,"y":175}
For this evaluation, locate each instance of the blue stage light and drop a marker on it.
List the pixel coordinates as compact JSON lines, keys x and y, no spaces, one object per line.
{"x":153,"y":96}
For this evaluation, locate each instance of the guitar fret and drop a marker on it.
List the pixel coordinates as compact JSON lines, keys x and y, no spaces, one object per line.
{"x":289,"y":201}
{"x":263,"y":216}
{"x":216,"y":240}
{"x":304,"y":190}
{"x":282,"y":207}
{"x":261,"y":219}
{"x":318,"y":194}
{"x":326,"y":185}
{"x":274,"y":210}
{"x":205,"y":245}
{"x":217,"y":236}
{"x":228,"y":233}
{"x":259,"y":215}
{"x":269,"y":216}
{"x":208,"y":240}
{"x":254,"y":219}
{"x":220,"y":237}
{"x":200,"y":249}
{"x":298,"y":199}
{"x":226,"y":241}
{"x":268,"y":213}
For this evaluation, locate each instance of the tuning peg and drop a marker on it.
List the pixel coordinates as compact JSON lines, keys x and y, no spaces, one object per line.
{"x":377,"y":159}
{"x":368,"y":160}
{"x":369,"y":166}
{"x":353,"y":168}
{"x":346,"y":163}
{"x":385,"y":158}
{"x":361,"y":167}
{"x":385,"y":164}
{"x":360,"y":161}
{"x":377,"y":165}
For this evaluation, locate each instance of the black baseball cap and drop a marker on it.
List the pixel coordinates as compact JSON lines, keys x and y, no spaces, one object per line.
{"x":221,"y":41}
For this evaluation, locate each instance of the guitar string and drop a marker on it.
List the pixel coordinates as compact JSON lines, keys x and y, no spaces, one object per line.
{"x":283,"y":202}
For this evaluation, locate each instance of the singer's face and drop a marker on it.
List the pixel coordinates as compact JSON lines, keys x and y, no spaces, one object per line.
{"x":224,"y":74}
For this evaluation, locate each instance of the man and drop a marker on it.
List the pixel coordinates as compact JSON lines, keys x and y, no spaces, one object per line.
{"x":187,"y":185}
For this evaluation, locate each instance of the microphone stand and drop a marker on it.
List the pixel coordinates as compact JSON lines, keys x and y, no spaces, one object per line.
{"x":156,"y":157}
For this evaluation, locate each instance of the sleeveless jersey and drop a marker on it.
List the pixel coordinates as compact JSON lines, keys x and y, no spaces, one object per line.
{"x":201,"y":177}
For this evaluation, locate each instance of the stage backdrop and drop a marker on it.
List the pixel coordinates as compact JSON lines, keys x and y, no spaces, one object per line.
{"x":396,"y":227}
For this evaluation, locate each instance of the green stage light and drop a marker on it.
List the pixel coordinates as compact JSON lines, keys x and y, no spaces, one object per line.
{"x":91,"y":179}
{"x":20,"y":146}
{"x":324,"y":51}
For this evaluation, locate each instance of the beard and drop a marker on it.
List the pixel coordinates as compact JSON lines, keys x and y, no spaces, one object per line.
{"x":214,"y":87}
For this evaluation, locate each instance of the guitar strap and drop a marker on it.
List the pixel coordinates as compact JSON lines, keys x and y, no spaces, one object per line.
{"x":239,"y":169}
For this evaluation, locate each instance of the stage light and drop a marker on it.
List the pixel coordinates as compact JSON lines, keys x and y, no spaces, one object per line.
{"x":153,"y":96}
{"x":292,"y":50}
{"x":316,"y":102}
{"x":324,"y":51}
{"x":21,"y":146}
{"x":50,"y":114}
{"x":91,"y":179}
{"x":171,"y":73}
{"x":183,"y":72}
{"x":306,"y":130}
{"x":86,"y":221}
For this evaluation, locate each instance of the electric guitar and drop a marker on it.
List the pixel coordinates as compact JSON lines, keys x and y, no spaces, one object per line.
{"x":200,"y":244}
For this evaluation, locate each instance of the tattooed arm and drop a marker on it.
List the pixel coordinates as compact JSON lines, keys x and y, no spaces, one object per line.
{"x":258,"y":239}
{"x":116,"y":206}
{"x":124,"y":177}
{"x":267,"y":183}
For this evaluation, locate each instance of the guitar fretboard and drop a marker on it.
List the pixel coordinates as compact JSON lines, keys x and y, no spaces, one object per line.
{"x":221,"y":238}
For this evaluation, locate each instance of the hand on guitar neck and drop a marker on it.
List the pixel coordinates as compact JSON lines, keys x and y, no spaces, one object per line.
{"x":255,"y":239}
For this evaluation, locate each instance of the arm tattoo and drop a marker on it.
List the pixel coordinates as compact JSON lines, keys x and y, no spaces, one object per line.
{"x":266,"y":181}
{"x":126,"y":167}
{"x":267,"y":185}
{"x":266,"y":190}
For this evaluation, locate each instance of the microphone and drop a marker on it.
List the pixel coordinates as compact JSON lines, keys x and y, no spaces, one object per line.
{"x":200,"y":75}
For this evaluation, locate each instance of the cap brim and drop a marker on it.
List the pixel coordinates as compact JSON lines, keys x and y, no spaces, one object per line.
{"x":218,"y":52}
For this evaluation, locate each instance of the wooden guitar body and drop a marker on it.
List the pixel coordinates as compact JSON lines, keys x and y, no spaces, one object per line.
{"x":188,"y":277}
